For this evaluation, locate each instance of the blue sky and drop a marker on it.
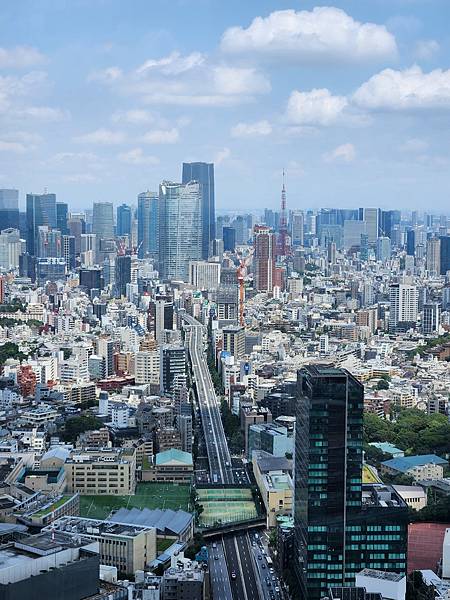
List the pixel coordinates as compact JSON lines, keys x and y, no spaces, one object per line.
{"x":101,"y":99}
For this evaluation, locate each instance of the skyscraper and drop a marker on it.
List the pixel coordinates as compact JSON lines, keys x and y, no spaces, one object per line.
{"x":69,"y":251}
{"x":9,"y":209}
{"x":411,"y":242}
{"x":123,"y":220}
{"x":403,"y":309}
{"x":297,"y":227}
{"x":264,"y":258}
{"x":147,"y":217}
{"x":180,"y":228}
{"x":122,"y":274}
{"x":445,"y":254}
{"x":229,"y":239}
{"x":41,"y":210}
{"x":204,"y":174}
{"x":62,"y":209}
{"x":434,"y":256}
{"x":341,"y":526}
{"x":103,"y":220}
{"x":370,"y":216}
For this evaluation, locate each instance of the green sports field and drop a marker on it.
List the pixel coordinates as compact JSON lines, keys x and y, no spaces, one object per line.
{"x":148,"y":495}
{"x":225,"y":506}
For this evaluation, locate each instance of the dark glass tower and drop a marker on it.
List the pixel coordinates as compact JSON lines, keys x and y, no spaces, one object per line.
{"x":122,"y":275}
{"x":445,"y":254}
{"x":123,"y":220}
{"x":9,"y":209}
{"x":411,"y":242}
{"x":204,"y":174}
{"x":41,"y":210}
{"x":148,"y":224}
{"x":62,"y":210}
{"x":341,"y":526}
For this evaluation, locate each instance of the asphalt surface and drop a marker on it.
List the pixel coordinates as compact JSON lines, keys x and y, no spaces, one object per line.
{"x":218,"y":572}
{"x":220,"y":469}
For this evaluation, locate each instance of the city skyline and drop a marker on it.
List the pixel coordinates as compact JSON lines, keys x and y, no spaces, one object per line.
{"x":356,"y":119}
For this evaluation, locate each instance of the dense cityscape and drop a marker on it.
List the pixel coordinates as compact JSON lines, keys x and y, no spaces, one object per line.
{"x":224,"y":300}
{"x":235,"y":406}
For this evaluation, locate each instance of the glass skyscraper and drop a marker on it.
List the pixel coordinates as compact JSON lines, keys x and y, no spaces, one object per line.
{"x":147,"y":217}
{"x":9,"y":209}
{"x":41,"y":210}
{"x":180,"y":228}
{"x":204,"y":174}
{"x":62,"y":210}
{"x":103,"y":220}
{"x":123,"y":220}
{"x":341,"y":526}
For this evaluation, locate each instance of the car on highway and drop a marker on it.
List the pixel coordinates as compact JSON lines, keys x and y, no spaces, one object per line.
{"x":233,"y":575}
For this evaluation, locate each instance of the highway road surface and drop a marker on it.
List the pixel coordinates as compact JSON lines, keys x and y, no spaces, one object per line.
{"x":220,"y":467}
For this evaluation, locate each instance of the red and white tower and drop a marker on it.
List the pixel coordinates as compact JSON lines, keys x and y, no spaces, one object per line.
{"x":283,"y":241}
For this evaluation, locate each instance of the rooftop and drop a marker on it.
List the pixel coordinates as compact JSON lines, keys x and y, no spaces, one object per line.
{"x":173,"y":455}
{"x":405,"y":463}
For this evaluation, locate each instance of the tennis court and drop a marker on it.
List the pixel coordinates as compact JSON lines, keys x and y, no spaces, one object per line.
{"x":225,"y":506}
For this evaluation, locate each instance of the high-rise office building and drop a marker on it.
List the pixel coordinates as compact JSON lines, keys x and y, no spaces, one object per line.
{"x":103,"y":220}
{"x":9,"y":209}
{"x":370,"y":217}
{"x":122,"y":274}
{"x":76,"y":226}
{"x":264,"y":258}
{"x":172,"y":365}
{"x":91,"y":278}
{"x":204,"y":275}
{"x":148,"y":224}
{"x":297,"y":227}
{"x":341,"y":526}
{"x":403,"y":309}
{"x":69,"y":251}
{"x":431,"y":317}
{"x":160,"y":315}
{"x":49,"y":242}
{"x":180,"y":228}
{"x":203,"y":173}
{"x":123,"y":220}
{"x":383,"y":248}
{"x":11,"y":248}
{"x":411,"y":242}
{"x":229,"y":239}
{"x":41,"y":210}
{"x":62,"y":209}
{"x":445,"y":254}
{"x":434,"y":256}
{"x":388,"y":219}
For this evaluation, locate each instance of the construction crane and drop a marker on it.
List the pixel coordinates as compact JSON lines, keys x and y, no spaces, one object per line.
{"x":240,"y":274}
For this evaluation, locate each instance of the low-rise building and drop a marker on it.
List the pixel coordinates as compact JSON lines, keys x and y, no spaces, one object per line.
{"x":102,"y":471}
{"x":172,"y":465}
{"x":420,"y":467}
{"x":414,"y":495}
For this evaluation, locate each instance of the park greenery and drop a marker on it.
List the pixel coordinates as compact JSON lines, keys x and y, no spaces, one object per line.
{"x":76,"y":425}
{"x":231,"y":426}
{"x":10,"y":350}
{"x":412,"y":431}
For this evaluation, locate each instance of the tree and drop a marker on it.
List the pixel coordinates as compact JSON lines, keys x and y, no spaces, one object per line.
{"x":382,"y":385}
{"x":76,"y":425}
{"x":10,"y":350}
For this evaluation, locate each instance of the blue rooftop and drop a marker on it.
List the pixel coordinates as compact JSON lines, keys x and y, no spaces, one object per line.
{"x":408,"y":462}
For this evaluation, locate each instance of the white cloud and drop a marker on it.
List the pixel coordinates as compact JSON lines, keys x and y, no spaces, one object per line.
{"x":16,"y":147}
{"x":345,"y":153}
{"x":325,"y":33}
{"x":108,"y":75}
{"x":191,"y":80}
{"x":43,"y":113}
{"x":135,"y":116}
{"x":317,"y":107}
{"x":173,"y":64}
{"x":80,"y":178}
{"x":162,"y":136}
{"x":234,"y":80}
{"x":20,"y":57}
{"x":426,"y":49}
{"x":411,"y":89}
{"x":101,"y":136}
{"x":221,"y":156}
{"x":414,"y":145}
{"x":136,"y":156}
{"x":259,"y":128}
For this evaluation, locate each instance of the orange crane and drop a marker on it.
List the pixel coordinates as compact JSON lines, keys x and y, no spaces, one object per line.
{"x":240,"y":274}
